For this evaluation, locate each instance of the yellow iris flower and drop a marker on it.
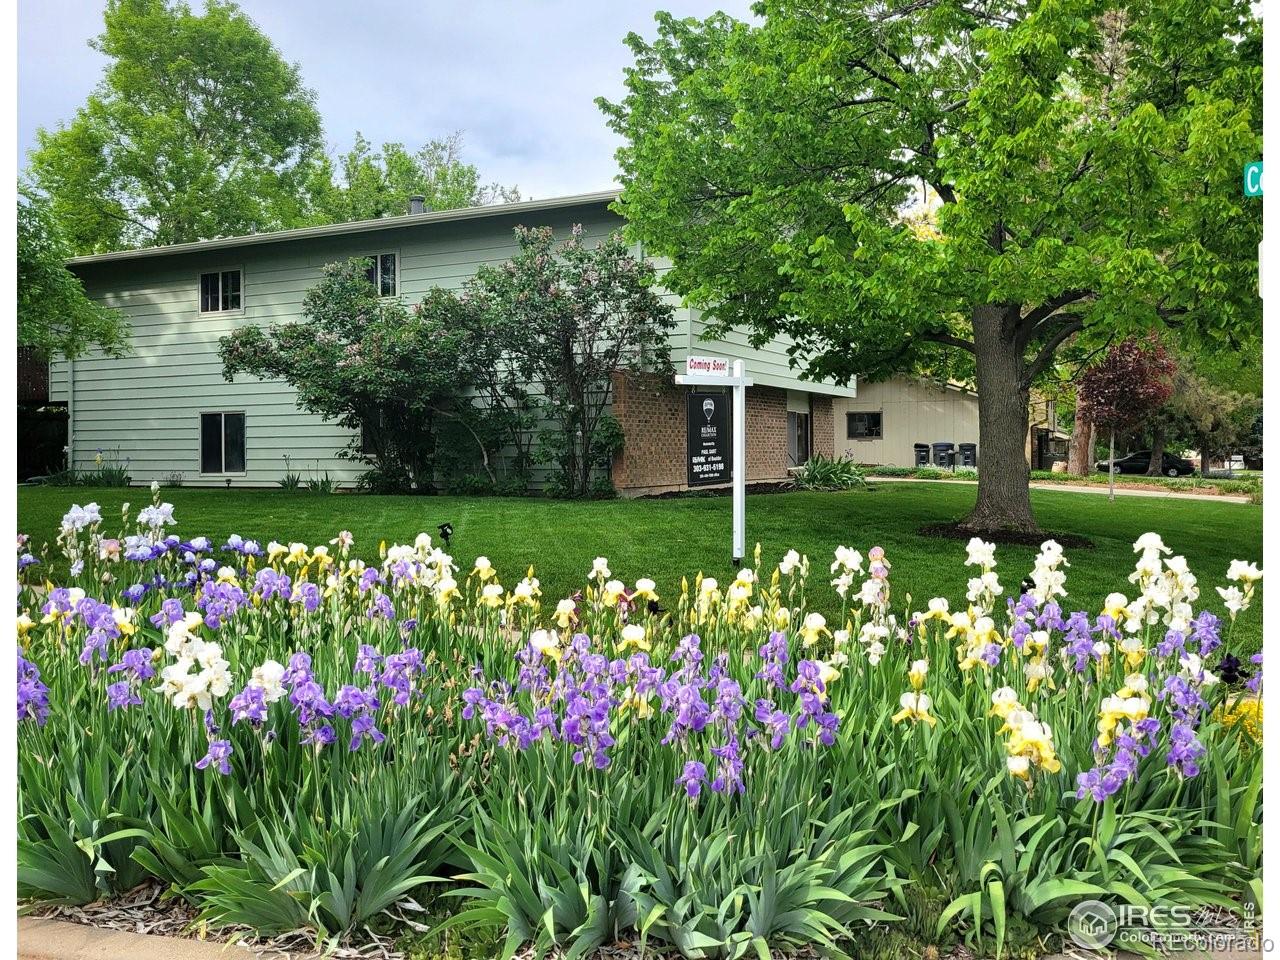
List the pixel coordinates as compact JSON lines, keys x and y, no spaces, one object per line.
{"x":915,"y":707}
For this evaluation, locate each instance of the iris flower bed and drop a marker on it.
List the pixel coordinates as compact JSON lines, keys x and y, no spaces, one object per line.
{"x":292,"y":740}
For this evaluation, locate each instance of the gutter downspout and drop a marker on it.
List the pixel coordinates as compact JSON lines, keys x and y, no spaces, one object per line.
{"x":71,"y":414}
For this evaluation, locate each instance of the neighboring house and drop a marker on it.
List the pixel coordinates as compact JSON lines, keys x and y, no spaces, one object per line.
{"x":166,"y":409}
{"x":882,"y":424}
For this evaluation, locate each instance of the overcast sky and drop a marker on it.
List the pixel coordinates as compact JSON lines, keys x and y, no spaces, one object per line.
{"x":518,"y":77}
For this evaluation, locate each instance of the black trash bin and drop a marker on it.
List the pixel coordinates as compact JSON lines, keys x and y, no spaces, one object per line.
{"x":968,"y":454}
{"x":922,"y":454}
{"x":944,"y":454}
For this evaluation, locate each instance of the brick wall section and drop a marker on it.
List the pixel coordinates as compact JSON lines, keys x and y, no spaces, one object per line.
{"x":652,"y":415}
{"x":652,"y":412}
{"x":823,"y":427}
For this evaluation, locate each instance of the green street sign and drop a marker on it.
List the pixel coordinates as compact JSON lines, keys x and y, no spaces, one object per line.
{"x":1253,"y":179}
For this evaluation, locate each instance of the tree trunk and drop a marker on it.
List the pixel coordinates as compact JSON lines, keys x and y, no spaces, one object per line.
{"x":1004,"y":476}
{"x":1080,"y":453}
{"x":1156,"y":469}
{"x":1111,"y":467}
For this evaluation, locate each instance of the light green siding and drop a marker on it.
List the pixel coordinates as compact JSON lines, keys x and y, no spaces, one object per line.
{"x":768,"y":365}
{"x":146,"y":407}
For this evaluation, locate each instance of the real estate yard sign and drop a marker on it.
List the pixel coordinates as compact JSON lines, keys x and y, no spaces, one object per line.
{"x":710,"y":443}
{"x":718,"y":372}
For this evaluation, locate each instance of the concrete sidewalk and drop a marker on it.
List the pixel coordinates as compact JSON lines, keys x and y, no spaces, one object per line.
{"x":1089,"y":488}
{"x":42,"y":939}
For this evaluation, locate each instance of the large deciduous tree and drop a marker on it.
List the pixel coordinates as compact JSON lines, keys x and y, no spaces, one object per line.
{"x":54,"y":315}
{"x":1080,"y":160}
{"x":198,"y":129}
{"x":365,"y":184}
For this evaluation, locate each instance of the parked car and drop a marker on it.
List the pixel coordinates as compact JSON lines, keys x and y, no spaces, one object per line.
{"x":1140,"y":462}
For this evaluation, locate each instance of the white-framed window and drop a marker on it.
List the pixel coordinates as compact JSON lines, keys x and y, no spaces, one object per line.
{"x":222,"y":447}
{"x":222,"y":290}
{"x":383,"y":273}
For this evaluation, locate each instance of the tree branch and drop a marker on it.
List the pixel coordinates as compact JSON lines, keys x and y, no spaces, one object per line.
{"x":1075,"y":323}
{"x":948,"y":340}
{"x":1033,"y":318}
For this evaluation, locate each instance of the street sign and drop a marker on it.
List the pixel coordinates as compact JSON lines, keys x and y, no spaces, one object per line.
{"x":717,"y":372}
{"x":710,"y":444}
{"x":1253,"y":179}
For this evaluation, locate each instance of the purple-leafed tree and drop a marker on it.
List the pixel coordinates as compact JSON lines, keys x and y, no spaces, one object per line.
{"x":1133,"y":381}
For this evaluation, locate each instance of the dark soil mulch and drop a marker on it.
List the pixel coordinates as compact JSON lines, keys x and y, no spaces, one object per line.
{"x":752,"y":488}
{"x":955,"y":531}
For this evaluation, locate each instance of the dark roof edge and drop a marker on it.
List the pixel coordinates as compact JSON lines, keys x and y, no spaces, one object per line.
{"x":354,"y":227}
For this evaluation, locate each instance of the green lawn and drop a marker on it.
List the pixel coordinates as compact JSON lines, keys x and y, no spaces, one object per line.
{"x":664,"y":539}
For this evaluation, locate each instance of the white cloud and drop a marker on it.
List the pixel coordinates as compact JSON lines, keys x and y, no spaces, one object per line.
{"x":518,"y":77}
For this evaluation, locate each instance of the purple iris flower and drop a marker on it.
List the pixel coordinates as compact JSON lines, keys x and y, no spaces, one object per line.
{"x":249,"y":704}
{"x":1185,"y":750}
{"x":122,"y":694}
{"x":1254,"y":683}
{"x":33,"y":695}
{"x":219,"y":754}
{"x":692,"y":778}
{"x":137,"y":662}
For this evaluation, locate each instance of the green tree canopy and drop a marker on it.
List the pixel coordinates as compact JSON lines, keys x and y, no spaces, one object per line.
{"x":1078,"y":162}
{"x":198,"y":129}
{"x":365,"y":184}
{"x":54,"y":314}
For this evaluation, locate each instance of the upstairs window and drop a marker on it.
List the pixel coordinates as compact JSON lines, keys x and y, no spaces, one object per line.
{"x":864,"y":426}
{"x":220,"y":291}
{"x":222,"y":443}
{"x":382,"y":274}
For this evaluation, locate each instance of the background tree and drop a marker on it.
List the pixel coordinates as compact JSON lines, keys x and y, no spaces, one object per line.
{"x":365,"y":184}
{"x":54,"y":315}
{"x":372,"y":365}
{"x":1215,"y":420}
{"x":569,"y":316}
{"x":1134,"y":380}
{"x":1084,"y":156}
{"x":198,"y":129}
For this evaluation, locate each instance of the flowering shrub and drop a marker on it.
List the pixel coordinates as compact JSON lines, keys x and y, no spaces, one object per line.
{"x":294,"y":739}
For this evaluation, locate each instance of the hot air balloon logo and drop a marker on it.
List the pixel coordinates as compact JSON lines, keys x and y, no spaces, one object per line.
{"x":708,"y":409}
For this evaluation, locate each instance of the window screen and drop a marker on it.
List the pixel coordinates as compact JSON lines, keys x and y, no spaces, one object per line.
{"x":211,"y":443}
{"x":220,"y":291}
{"x":222,"y":443}
{"x":864,"y":426}
{"x":381,"y":274}
{"x":233,"y":443}
{"x":208,"y":292}
{"x":231,"y":290}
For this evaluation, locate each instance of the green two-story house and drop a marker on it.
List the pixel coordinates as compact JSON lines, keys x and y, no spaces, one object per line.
{"x":168,"y":411}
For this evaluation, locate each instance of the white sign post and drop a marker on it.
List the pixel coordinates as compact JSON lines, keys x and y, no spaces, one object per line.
{"x":719,"y":372}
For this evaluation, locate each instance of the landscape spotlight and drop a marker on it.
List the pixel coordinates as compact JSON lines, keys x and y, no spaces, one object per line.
{"x":446,"y":531}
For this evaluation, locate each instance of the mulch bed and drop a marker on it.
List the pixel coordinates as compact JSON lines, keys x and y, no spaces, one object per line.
{"x":146,"y":910}
{"x":780,"y":486}
{"x":752,"y":488}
